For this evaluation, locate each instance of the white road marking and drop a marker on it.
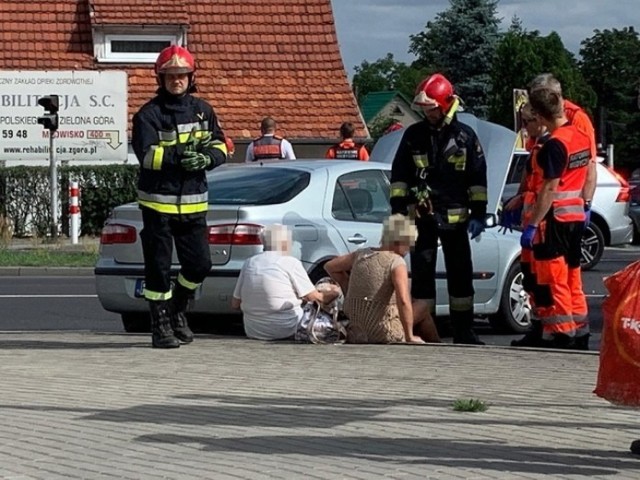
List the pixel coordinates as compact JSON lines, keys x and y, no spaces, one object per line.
{"x":49,"y":296}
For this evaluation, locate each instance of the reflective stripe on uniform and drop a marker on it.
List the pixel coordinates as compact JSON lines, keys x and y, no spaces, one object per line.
{"x":567,"y":194}
{"x":478,"y":193}
{"x":421,"y":161}
{"x":153,"y":158}
{"x":157,"y":296}
{"x":186,"y":283}
{"x":569,"y":210}
{"x":174,"y":204}
{"x":457,"y":215}
{"x":399,"y":189}
{"x":460,"y":304}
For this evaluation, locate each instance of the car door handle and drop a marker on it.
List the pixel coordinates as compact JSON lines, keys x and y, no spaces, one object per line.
{"x":357,"y":239}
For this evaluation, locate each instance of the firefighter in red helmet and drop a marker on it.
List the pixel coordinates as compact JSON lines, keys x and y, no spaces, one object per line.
{"x":176,"y":138}
{"x":439,"y":176}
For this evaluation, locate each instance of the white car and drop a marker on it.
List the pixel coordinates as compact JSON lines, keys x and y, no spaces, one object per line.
{"x":332,"y":207}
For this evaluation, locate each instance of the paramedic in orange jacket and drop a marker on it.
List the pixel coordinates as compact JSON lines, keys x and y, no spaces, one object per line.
{"x":557,"y":223}
{"x":347,"y":149}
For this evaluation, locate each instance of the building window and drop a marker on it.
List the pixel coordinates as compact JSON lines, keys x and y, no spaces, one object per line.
{"x":130,"y":48}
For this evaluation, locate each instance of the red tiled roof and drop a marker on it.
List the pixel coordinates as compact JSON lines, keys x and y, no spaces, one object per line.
{"x":254,"y":58}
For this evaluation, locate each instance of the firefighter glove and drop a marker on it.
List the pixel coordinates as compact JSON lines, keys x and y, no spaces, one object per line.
{"x":526,"y":240}
{"x":193,"y":161}
{"x":476,"y":227}
{"x":205,"y":141}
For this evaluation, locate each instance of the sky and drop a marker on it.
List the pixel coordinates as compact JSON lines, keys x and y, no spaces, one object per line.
{"x":369,"y":29}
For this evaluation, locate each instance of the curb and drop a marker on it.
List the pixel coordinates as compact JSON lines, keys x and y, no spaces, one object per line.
{"x":46,"y":271}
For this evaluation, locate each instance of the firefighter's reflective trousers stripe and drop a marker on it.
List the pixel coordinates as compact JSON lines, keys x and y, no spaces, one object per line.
{"x":159,"y":232}
{"x":457,"y":260}
{"x":560,"y":302}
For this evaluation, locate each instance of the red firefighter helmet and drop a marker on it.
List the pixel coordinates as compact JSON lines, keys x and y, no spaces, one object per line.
{"x":435,"y":90}
{"x":175,"y":59}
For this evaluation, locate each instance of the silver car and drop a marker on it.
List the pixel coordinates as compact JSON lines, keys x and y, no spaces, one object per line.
{"x":610,"y":223}
{"x":332,"y":207}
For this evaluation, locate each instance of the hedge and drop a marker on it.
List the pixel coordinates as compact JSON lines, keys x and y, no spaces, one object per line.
{"x":25,"y":196}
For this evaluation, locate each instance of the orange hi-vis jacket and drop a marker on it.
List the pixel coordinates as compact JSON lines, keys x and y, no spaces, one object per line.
{"x":568,"y":205}
{"x":579,"y":119}
{"x":348,"y":150}
{"x":532,"y":185}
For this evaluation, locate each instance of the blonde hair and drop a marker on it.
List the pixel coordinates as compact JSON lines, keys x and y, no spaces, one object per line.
{"x":398,"y":229}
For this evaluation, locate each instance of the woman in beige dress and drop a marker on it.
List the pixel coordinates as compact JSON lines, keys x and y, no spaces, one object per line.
{"x":376,"y":285}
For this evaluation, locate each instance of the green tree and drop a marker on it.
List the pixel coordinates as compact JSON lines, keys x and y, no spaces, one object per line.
{"x":386,"y":74}
{"x":460,"y":42}
{"x":611,"y":65}
{"x":520,"y":56}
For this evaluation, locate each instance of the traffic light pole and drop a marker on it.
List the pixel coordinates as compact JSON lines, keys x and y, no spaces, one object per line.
{"x":49,"y":121}
{"x":53,"y":171}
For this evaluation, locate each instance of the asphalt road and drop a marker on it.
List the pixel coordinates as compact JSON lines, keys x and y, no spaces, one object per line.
{"x":70,"y":303}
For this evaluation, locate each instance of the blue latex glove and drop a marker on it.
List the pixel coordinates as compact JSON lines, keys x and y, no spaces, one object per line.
{"x":587,"y":215}
{"x":476,"y":227}
{"x":526,"y":240}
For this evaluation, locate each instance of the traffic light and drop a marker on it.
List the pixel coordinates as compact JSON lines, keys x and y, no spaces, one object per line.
{"x":50,"y":119}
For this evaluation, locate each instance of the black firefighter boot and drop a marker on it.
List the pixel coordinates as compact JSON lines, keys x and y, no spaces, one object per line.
{"x":533,"y":338}
{"x":462,"y":325}
{"x":179,"y":303}
{"x":161,"y":333}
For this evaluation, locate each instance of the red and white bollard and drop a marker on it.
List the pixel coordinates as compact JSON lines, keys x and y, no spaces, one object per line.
{"x":74,"y":211}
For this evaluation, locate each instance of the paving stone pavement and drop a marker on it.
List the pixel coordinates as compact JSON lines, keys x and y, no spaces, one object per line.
{"x":93,"y":406}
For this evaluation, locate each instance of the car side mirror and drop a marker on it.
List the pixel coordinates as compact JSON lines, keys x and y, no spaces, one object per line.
{"x":490,"y":220}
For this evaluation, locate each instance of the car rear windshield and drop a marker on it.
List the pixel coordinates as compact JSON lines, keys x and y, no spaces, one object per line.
{"x":255,"y":186}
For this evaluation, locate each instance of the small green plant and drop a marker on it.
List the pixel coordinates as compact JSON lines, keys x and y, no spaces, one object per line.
{"x":469,"y":405}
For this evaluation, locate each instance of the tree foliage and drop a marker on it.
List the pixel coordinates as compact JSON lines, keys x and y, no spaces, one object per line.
{"x":520,"y":56}
{"x":611,"y":66}
{"x":386,"y":74}
{"x":460,"y":43}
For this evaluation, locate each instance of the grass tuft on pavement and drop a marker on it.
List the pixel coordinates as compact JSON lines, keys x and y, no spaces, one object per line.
{"x":469,"y":405}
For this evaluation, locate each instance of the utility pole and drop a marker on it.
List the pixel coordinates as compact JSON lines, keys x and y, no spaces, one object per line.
{"x":50,"y":121}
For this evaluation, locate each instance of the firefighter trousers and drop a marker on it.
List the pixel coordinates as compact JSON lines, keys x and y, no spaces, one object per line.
{"x":560,"y":302}
{"x":159,"y":233}
{"x":458,"y":264}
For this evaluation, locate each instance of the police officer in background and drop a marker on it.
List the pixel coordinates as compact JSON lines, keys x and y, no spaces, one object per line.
{"x":348,"y":149}
{"x":269,"y":146}
{"x":176,"y":138}
{"x":440,"y":170}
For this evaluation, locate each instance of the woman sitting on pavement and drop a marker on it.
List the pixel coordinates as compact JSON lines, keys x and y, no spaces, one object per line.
{"x":272,"y":286}
{"x":376,"y":285}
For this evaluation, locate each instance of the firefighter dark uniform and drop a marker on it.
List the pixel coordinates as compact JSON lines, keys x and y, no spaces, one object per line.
{"x":176,"y":138}
{"x":441,"y":172}
{"x":348,"y":150}
{"x":560,"y":301}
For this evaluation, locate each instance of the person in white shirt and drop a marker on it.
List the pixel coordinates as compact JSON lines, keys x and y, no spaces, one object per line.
{"x":272,"y":287}
{"x":269,"y":146}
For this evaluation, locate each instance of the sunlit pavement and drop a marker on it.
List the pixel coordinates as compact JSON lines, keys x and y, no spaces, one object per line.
{"x":86,"y":405}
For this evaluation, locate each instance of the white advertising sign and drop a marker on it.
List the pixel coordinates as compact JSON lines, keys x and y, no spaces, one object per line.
{"x":92,"y":115}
